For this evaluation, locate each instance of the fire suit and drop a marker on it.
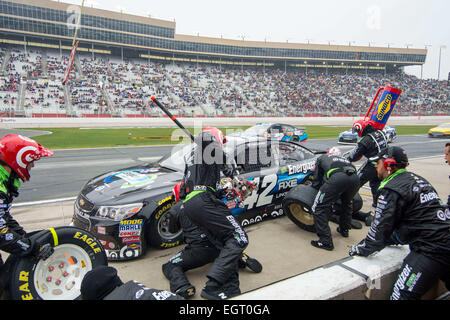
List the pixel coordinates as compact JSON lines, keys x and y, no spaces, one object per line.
{"x":11,"y":233}
{"x":198,"y":252}
{"x":409,"y":211}
{"x":369,"y":146}
{"x":133,"y":290}
{"x":336,"y":178}
{"x":204,"y":209}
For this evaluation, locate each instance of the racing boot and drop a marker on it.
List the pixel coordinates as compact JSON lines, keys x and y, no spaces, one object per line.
{"x":342,"y":231}
{"x":231,"y":287}
{"x":213,"y":290}
{"x":249,"y":262}
{"x":186,"y":291}
{"x":356,"y":224}
{"x":179,"y":283}
{"x":322,"y":245}
{"x":361,"y":216}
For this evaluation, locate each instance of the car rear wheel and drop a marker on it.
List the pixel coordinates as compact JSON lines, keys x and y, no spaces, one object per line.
{"x":297,"y":205}
{"x":76,"y":252}
{"x":157,"y":229}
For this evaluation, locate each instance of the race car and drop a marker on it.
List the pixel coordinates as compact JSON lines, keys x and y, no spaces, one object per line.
{"x":127,"y":210}
{"x":350,"y":137}
{"x":440,"y":131}
{"x":275,"y":131}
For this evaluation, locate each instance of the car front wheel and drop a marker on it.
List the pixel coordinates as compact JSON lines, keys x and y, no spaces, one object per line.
{"x":157,"y":229}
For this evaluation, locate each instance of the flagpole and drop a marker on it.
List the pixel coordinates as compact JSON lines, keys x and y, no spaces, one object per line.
{"x":74,"y":47}
{"x":78,"y":23}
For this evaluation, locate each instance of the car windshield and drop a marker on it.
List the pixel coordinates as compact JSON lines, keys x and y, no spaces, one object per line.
{"x":257,"y":130}
{"x":175,"y":160}
{"x":445,"y":125}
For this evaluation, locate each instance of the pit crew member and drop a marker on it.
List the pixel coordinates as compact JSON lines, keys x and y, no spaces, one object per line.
{"x":335,"y":178}
{"x":17,"y":157}
{"x":103,"y":283}
{"x":409,"y":211}
{"x":205,"y":209}
{"x":372,"y":141}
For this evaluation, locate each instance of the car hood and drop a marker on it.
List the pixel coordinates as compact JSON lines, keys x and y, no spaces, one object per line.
{"x":130,"y":185}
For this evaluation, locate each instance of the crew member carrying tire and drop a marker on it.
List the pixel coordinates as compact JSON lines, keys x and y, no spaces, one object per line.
{"x":17,"y":156}
{"x":205,"y":209}
{"x":371,"y":143}
{"x":335,"y":178}
{"x":409,"y":211}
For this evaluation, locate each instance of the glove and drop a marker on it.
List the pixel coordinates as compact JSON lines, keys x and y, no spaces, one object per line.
{"x":354,"y":251}
{"x":40,"y":246}
{"x":228,"y":171}
{"x":359,"y":250}
{"x":44,"y":252}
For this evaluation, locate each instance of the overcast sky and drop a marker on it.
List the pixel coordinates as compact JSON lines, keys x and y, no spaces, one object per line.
{"x":397,"y":23}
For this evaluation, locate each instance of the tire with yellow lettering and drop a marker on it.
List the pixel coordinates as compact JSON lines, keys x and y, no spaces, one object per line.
{"x":157,"y":228}
{"x":76,"y":252}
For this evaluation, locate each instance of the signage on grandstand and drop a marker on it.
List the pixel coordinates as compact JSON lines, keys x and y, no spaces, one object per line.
{"x":71,"y":60}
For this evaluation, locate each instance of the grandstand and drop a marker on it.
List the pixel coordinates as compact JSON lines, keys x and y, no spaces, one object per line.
{"x":124,"y":59}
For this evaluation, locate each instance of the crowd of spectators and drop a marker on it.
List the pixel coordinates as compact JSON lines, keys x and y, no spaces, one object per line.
{"x":105,"y":85}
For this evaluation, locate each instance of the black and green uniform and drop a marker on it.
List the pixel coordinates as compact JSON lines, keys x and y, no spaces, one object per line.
{"x":202,"y":206}
{"x":409,"y":211}
{"x":335,"y":178}
{"x":11,"y":233}
{"x":372,"y":142}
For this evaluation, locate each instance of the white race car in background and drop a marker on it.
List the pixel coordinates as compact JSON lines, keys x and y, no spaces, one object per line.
{"x":350,"y":137}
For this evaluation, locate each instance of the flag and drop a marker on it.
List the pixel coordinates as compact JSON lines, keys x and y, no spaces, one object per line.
{"x":71,"y":60}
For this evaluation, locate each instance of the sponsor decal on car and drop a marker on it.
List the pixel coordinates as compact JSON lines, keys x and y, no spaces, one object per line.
{"x":133,"y":178}
{"x":303,"y":167}
{"x":128,"y":228}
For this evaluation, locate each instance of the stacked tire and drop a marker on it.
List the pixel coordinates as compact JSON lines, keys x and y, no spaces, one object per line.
{"x":76,"y":252}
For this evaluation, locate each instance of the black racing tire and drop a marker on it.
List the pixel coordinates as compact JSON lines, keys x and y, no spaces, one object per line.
{"x":157,"y":228}
{"x":297,"y":206}
{"x":357,"y":203}
{"x":76,"y":252}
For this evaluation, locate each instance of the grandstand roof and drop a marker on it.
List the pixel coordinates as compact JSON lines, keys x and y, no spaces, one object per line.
{"x":48,"y":20}
{"x":98,"y":12}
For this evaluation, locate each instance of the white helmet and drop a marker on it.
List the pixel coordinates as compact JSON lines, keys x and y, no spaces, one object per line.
{"x":335,"y":151}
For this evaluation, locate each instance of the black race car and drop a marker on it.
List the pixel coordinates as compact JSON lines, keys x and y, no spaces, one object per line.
{"x":127,"y":209}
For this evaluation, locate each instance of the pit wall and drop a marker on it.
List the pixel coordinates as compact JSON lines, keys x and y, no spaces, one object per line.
{"x":11,"y":123}
{"x":351,"y":278}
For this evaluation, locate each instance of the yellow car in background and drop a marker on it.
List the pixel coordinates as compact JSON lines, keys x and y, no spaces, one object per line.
{"x":440,"y":131}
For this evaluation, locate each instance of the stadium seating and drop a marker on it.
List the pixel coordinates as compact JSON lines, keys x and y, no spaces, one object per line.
{"x":106,"y":86}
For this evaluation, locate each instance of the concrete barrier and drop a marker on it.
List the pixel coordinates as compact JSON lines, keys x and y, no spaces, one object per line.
{"x":11,"y":123}
{"x":357,"y":275}
{"x":351,"y":278}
